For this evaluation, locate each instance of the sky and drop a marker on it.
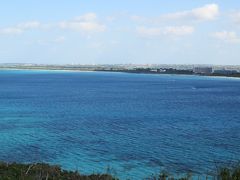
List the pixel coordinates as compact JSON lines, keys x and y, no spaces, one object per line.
{"x":120,"y":32}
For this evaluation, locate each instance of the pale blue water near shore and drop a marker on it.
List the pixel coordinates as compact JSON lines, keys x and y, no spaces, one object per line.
{"x":136,"y":124}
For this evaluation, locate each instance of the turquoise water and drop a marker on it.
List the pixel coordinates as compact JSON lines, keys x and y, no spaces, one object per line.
{"x":133,"y":123}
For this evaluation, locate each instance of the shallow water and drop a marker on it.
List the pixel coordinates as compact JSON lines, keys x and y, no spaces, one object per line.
{"x":133,"y":123}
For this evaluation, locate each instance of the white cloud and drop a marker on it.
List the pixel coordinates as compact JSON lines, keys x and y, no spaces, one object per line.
{"x":178,"y":30}
{"x":11,"y":31}
{"x":205,"y":13}
{"x":165,"y":31}
{"x":85,"y":23}
{"x":82,"y":26}
{"x":227,"y":36}
{"x":59,"y":39}
{"x":148,"y":32}
{"x":236,"y":17}
{"x":29,"y":25}
{"x":20,"y":28}
{"x":87,"y":17}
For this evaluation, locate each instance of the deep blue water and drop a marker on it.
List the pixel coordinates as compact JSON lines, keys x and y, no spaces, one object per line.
{"x":136,"y":124}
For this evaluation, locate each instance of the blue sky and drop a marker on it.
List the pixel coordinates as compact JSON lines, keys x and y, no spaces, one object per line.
{"x":126,"y":31}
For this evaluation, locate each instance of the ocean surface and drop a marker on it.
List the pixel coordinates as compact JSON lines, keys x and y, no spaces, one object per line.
{"x":132,"y":125}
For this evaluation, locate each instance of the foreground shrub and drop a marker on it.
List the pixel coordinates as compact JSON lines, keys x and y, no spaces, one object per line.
{"x":41,"y":171}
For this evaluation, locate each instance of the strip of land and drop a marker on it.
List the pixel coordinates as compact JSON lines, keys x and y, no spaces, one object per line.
{"x":204,"y":70}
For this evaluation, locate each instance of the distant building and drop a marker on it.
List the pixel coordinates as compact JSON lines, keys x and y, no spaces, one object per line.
{"x":161,"y":70}
{"x":153,"y":70}
{"x":203,"y":70}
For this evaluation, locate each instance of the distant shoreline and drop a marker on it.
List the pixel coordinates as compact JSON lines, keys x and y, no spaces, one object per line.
{"x":113,"y":71}
{"x":19,"y":69}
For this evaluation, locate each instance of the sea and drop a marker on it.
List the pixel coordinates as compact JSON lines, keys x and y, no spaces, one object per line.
{"x":130,"y":125}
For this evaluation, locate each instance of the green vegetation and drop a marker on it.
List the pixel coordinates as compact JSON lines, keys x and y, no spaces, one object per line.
{"x":229,"y":173}
{"x":165,"y":176}
{"x":42,"y":171}
{"x":222,"y":174}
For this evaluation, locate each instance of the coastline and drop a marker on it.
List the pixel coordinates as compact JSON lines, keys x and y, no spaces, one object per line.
{"x":115,"y":71}
{"x":28,"y":69}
